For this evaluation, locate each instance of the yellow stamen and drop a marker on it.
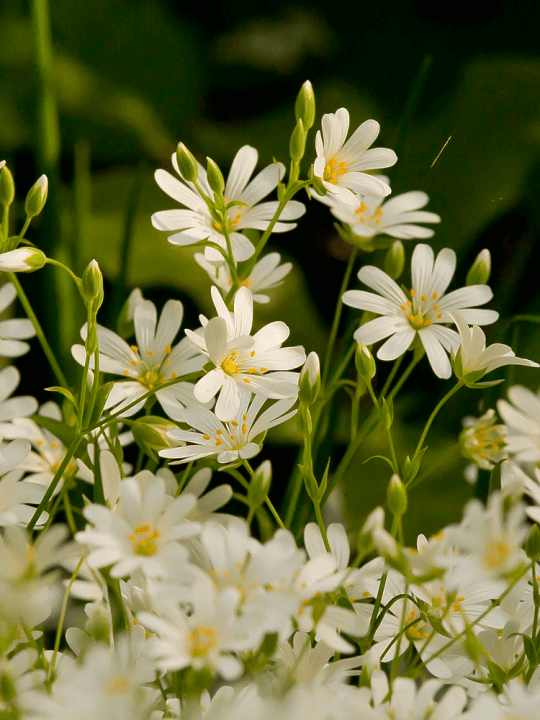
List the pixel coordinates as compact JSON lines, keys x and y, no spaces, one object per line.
{"x":434,"y":296}
{"x":263,"y":369}
{"x":133,"y":362}
{"x":252,"y":353}
{"x":413,"y":294}
{"x":135,"y":348}
{"x":149,"y":352}
{"x":168,"y":349}
{"x":244,"y":428}
{"x":234,"y":423}
{"x":435,"y":307}
{"x":126,"y":373}
{"x":206,"y":437}
{"x":219,"y":432}
{"x":423,"y":298}
{"x":439,"y":316}
{"x":174,"y":375}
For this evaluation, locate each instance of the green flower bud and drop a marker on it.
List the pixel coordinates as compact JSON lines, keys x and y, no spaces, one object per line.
{"x":310,"y":380}
{"x":92,"y":285}
{"x":37,"y":196}
{"x":480,"y":269}
{"x":7,"y":185}
{"x":186,"y":163}
{"x":24,"y":259}
{"x":532,"y":544}
{"x":304,"y":108}
{"x":394,"y":261}
{"x":260,"y":485}
{"x":215,"y":176}
{"x":297,"y":144}
{"x":150,"y":433}
{"x":365,"y":363}
{"x":396,"y":496}
{"x":387,"y":412}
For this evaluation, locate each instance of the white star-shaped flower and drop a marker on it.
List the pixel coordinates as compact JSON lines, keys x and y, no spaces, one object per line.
{"x":244,"y":364}
{"x":424,"y":312}
{"x":341,"y":165}
{"x":197,"y":223}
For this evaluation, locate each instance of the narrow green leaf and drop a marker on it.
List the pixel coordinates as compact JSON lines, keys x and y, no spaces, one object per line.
{"x":64,"y":392}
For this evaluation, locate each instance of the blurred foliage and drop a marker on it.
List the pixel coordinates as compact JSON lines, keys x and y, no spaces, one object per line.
{"x":133,"y":77}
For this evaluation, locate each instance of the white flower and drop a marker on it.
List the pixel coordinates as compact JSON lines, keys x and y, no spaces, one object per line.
{"x":150,"y":363}
{"x":473,"y":358}
{"x":522,"y":418}
{"x":12,"y":331}
{"x":266,"y":274}
{"x":483,"y":440}
{"x":341,"y":165}
{"x":196,"y":224}
{"x":15,"y":494}
{"x":19,"y":673}
{"x":423,"y":313}
{"x":11,"y":408}
{"x":229,"y":441}
{"x":406,"y":700}
{"x":143,"y":530}
{"x":23,"y":259}
{"x":243,"y":364}
{"x":207,"y":636}
{"x":207,"y":504}
{"x":370,"y":215}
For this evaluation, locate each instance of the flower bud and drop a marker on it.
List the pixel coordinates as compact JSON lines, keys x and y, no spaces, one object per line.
{"x":387,"y":413}
{"x":37,"y":196}
{"x":24,"y":259}
{"x":480,"y":269}
{"x":396,"y":496}
{"x":260,"y":485}
{"x":186,"y":163}
{"x":394,"y":261}
{"x":92,"y":285}
{"x":7,"y":185}
{"x":532,"y":544}
{"x":150,"y":433}
{"x":215,"y":176}
{"x":304,"y":108}
{"x":297,"y":144}
{"x":365,"y":363}
{"x":310,"y":380}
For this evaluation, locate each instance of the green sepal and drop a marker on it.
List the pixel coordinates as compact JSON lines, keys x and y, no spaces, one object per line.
{"x":64,"y":392}
{"x":101,"y":399}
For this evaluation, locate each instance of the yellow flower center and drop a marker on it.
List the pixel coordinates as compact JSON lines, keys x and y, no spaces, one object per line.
{"x":363,"y":209}
{"x":496,"y":553}
{"x":201,"y":640}
{"x":118,"y":686}
{"x":333,"y":169}
{"x":229,"y":366}
{"x":231,"y":222}
{"x":144,"y":540}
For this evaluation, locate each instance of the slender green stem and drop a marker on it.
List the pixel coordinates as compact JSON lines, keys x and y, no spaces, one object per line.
{"x":62,"y":617}
{"x":337,"y":314}
{"x":69,"y":514}
{"x":433,"y":415}
{"x":320,"y":523}
{"x":64,"y":267}
{"x":387,"y":430}
{"x":391,"y":376}
{"x":57,"y":370}
{"x":184,"y":478}
{"x":24,"y":229}
{"x":414,"y":362}
{"x":269,"y":503}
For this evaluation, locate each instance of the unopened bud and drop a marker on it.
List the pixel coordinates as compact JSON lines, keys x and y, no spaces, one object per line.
{"x":387,"y":412}
{"x":310,"y":380}
{"x":215,"y":176}
{"x":396,"y":496}
{"x":394,"y":261}
{"x":24,"y":259}
{"x":304,"y":108}
{"x":150,"y":433}
{"x":186,"y":163}
{"x":37,"y":196}
{"x":92,"y":285}
{"x":365,"y":363}
{"x":260,"y":485}
{"x":297,"y":144}
{"x":7,"y":186}
{"x":480,"y":269}
{"x":305,"y":424}
{"x":532,"y":544}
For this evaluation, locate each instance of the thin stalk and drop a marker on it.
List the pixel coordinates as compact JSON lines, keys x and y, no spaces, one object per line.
{"x":62,"y":617}
{"x":433,"y":415}
{"x":57,"y":370}
{"x":391,"y":376}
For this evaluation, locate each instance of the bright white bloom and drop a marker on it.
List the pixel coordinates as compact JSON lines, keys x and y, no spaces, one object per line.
{"x":14,"y":494}
{"x":519,"y":702}
{"x":13,"y":331}
{"x":473,"y":356}
{"x":143,"y":530}
{"x":522,"y":418}
{"x":49,"y":451}
{"x":266,"y":274}
{"x":207,"y":636}
{"x":341,"y":165}
{"x":398,"y":217}
{"x":422,"y":312}
{"x":16,"y":407}
{"x":196,"y":224}
{"x":416,"y":703}
{"x":150,"y":363}
{"x":24,"y":259}
{"x":492,"y":541}
{"x":483,"y":442}
{"x":227,"y":441}
{"x":104,"y":686}
{"x":244,"y":364}
{"x":207,"y":502}
{"x":302,"y":662}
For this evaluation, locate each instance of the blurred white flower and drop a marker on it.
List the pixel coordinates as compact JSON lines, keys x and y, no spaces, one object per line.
{"x":13,"y":331}
{"x":522,"y":418}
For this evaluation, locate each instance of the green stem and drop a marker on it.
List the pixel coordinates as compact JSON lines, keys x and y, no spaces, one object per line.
{"x":320,"y":523}
{"x":337,"y":314}
{"x":57,"y":370}
{"x":387,"y":430}
{"x":61,"y":265}
{"x":62,"y":617}
{"x":391,"y":376}
{"x":417,"y":356}
{"x":433,"y":415}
